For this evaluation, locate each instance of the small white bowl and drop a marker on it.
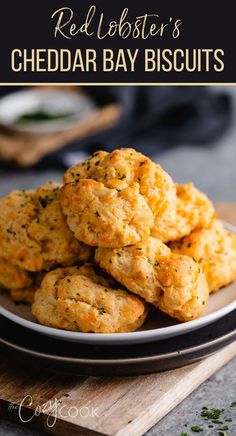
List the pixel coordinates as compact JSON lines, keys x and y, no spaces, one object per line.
{"x":71,"y":106}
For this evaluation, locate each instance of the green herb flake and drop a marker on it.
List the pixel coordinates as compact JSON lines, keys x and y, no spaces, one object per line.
{"x":217,"y":421}
{"x":44,"y":201}
{"x":233,"y":404}
{"x":211,"y":413}
{"x":101,"y":310}
{"x":97,"y":213}
{"x":42,"y":115}
{"x":183,"y":433}
{"x":11,"y":232}
{"x":196,"y":429}
{"x":123,"y":177}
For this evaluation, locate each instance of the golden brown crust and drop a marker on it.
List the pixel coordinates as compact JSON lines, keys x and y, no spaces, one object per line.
{"x":215,"y":250}
{"x":33,"y":231}
{"x":173,"y":283}
{"x":105,"y":217}
{"x":13,"y":277}
{"x":82,"y":299}
{"x":24,"y":295}
{"x":193,"y":211}
{"x":135,"y":191}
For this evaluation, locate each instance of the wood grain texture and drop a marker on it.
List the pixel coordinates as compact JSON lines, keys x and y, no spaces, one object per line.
{"x":115,"y":406}
{"x":94,"y":405}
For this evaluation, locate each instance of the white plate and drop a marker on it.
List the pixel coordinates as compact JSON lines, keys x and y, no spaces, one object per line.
{"x":158,"y":326}
{"x":53,"y":101}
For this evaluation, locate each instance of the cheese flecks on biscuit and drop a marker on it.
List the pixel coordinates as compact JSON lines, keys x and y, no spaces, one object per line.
{"x":13,"y":277}
{"x":33,"y":231}
{"x":215,"y":250}
{"x":173,"y":283}
{"x":82,"y":299}
{"x":123,"y":192}
{"x":101,"y":216}
{"x":193,"y":211}
{"x":24,"y":295}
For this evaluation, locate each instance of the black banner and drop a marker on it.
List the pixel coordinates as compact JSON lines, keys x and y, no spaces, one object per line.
{"x":102,"y":41}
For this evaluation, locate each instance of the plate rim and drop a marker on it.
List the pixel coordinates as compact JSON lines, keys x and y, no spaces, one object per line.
{"x":118,"y":361}
{"x":122,"y":338}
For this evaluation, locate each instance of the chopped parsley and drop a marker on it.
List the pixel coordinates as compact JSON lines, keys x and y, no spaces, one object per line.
{"x":211,"y":413}
{"x":101,"y":310}
{"x":196,"y":429}
{"x":11,"y":232}
{"x":123,"y":177}
{"x":44,"y":201}
{"x":97,"y":213}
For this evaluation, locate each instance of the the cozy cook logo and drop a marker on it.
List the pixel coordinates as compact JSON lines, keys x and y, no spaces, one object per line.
{"x":70,"y":25}
{"x":53,"y":409}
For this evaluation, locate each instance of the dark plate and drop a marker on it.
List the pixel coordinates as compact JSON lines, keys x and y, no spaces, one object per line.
{"x":117,"y":360}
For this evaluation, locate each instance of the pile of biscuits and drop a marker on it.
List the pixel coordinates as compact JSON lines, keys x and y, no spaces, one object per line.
{"x":118,"y":236}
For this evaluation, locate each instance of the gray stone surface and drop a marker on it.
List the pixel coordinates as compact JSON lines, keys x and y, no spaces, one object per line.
{"x":212,"y":169}
{"x":218,"y":391}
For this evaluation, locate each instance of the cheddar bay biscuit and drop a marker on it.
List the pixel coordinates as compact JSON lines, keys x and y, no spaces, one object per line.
{"x":13,"y":277}
{"x":103,"y":216}
{"x":82,"y":299}
{"x":115,"y":199}
{"x":193,"y":211}
{"x":173,"y":283}
{"x":215,"y":250}
{"x":33,"y":231}
{"x":23,"y":295}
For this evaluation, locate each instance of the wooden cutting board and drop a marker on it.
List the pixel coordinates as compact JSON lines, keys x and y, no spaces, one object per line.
{"x":101,"y":406}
